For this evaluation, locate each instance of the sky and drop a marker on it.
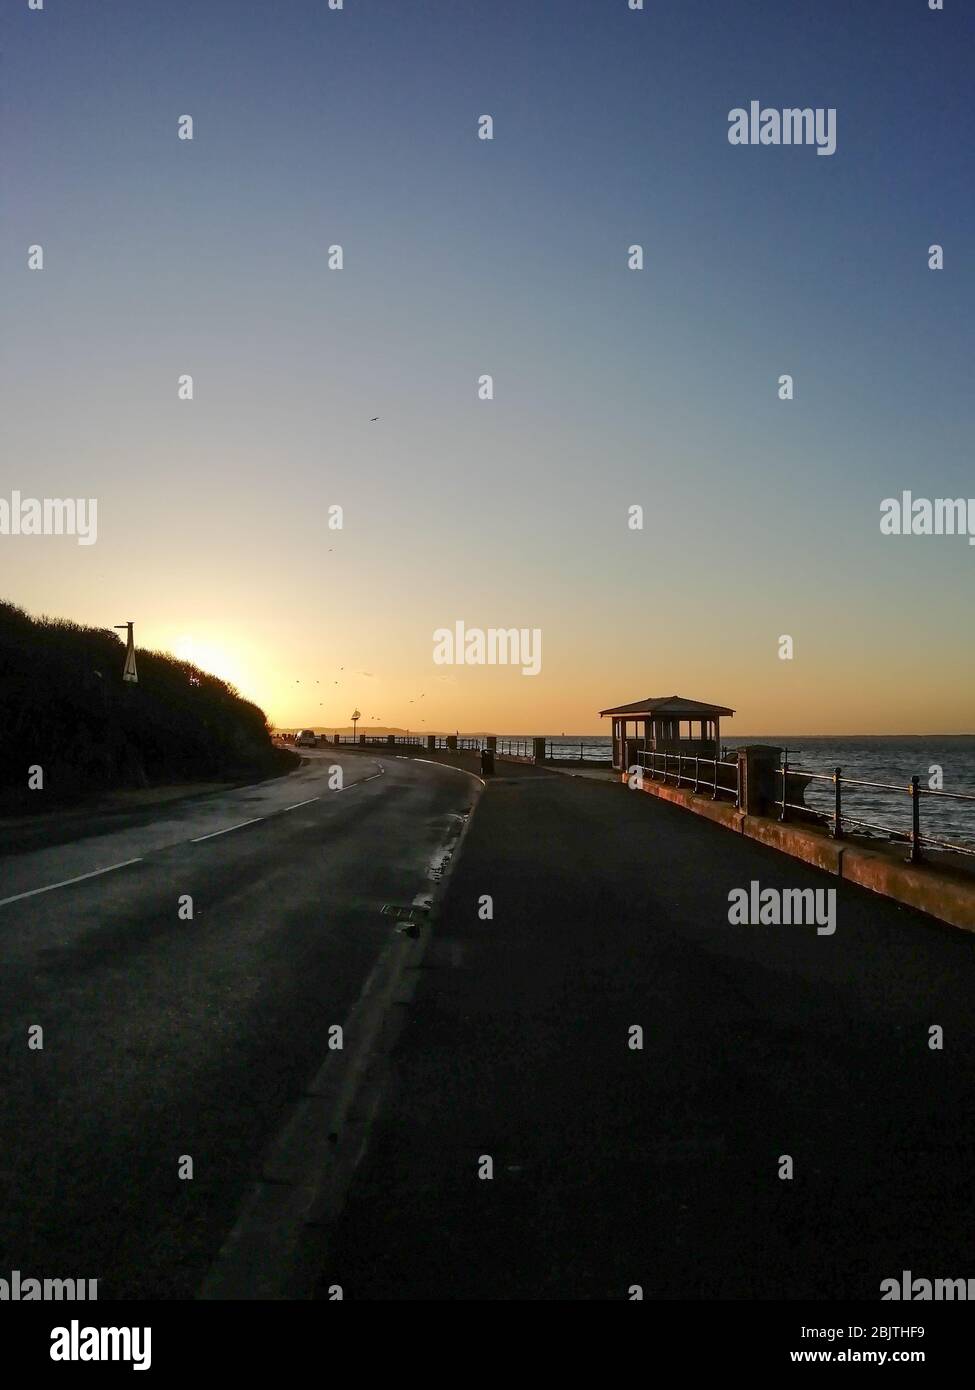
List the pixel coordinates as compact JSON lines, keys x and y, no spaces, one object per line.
{"x":613,"y":388}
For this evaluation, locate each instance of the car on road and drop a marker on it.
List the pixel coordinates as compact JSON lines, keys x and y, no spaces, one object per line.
{"x":306,"y":739}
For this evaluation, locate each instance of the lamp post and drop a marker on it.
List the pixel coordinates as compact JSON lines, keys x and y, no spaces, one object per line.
{"x":129,"y":672}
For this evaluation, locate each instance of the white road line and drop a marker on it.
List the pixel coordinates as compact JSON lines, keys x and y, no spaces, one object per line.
{"x":430,"y":763}
{"x":65,"y":881}
{"x":359,"y":780}
{"x":215,"y":833}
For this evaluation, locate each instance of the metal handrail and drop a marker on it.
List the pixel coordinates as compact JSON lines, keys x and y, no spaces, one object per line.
{"x":839,"y":818}
{"x":685,"y":779}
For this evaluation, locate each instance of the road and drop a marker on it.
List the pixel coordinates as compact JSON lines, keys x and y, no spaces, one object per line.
{"x":662,"y":1167}
{"x":165,"y":1036}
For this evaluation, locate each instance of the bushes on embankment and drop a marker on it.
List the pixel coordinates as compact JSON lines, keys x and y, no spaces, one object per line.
{"x":65,"y":708}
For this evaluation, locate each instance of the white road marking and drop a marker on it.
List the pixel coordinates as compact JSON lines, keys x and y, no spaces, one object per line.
{"x":95,"y":873}
{"x":430,"y":763}
{"x":215,"y":833}
{"x":65,"y":881}
{"x":359,"y":780}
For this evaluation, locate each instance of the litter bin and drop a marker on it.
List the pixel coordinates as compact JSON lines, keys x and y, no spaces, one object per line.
{"x":487,"y":762}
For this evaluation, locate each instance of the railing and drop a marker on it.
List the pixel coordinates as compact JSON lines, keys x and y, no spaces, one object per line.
{"x":370,"y":740}
{"x":839,"y":819}
{"x":503,"y":747}
{"x":515,"y":748}
{"x":685,"y":770}
{"x":557,"y":750}
{"x":563,"y":750}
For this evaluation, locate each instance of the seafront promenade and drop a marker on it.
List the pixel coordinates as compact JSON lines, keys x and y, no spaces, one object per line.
{"x":664,"y":1166}
{"x":745,"y":793}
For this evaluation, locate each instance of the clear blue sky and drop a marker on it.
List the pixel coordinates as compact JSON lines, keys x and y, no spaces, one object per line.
{"x":461,"y":257}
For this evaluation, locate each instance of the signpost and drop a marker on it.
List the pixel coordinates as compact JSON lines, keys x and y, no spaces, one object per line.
{"x":356,"y":716}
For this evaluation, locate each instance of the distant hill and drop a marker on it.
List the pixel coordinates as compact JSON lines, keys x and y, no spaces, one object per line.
{"x":65,"y":708}
{"x":373,"y":731}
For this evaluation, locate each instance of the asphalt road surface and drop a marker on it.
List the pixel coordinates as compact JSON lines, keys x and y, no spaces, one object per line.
{"x":166,"y":1037}
{"x":662,"y":1167}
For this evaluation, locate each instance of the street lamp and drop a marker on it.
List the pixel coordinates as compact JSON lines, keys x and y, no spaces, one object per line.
{"x":129,"y":672}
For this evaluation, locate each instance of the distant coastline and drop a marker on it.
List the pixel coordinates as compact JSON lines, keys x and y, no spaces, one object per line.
{"x":731,"y":741}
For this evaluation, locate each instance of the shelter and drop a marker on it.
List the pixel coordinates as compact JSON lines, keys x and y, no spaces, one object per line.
{"x":658,"y":724}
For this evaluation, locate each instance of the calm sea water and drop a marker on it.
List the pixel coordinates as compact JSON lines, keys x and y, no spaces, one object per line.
{"x":896,"y":760}
{"x":874,"y":759}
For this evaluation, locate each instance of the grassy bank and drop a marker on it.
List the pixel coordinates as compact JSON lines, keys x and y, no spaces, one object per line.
{"x":65,"y":709}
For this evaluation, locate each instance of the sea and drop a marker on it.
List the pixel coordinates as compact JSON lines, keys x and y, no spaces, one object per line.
{"x":872,"y":758}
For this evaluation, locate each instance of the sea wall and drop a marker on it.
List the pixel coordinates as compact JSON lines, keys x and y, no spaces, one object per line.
{"x":942,"y":891}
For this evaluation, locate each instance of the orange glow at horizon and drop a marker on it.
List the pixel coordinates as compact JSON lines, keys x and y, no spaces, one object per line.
{"x":769,"y":696}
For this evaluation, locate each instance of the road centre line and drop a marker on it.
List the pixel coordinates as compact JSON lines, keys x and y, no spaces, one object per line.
{"x":213,"y":834}
{"x":110,"y":868}
{"x":241,"y":824}
{"x":31,"y":893}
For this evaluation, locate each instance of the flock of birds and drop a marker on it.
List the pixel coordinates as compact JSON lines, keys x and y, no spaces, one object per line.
{"x":321,"y":703}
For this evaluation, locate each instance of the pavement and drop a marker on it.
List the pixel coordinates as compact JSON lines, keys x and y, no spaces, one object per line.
{"x":660,"y":1167}
{"x":167,"y":1037}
